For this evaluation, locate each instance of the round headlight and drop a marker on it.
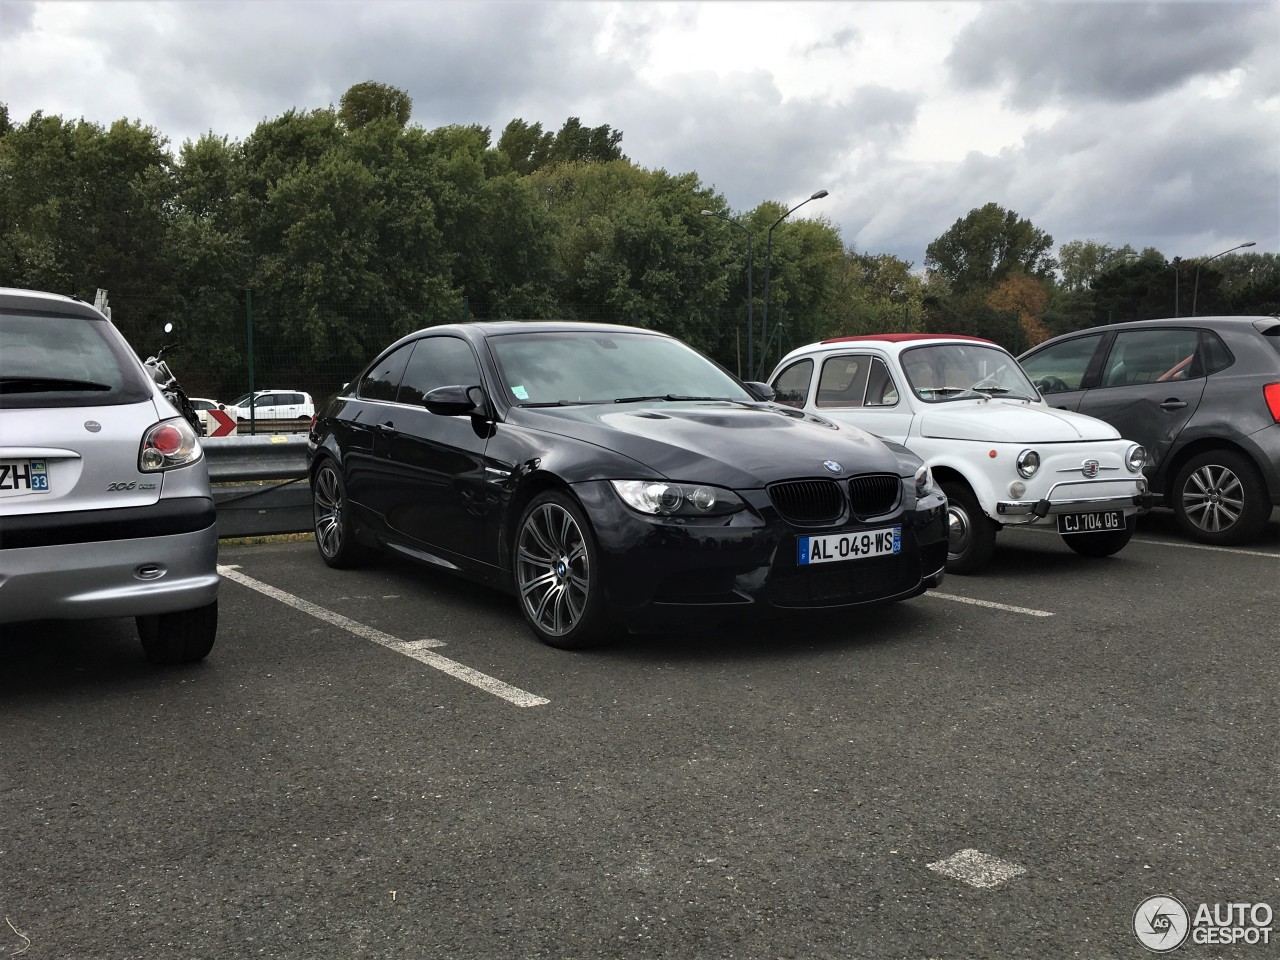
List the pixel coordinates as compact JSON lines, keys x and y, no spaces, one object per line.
{"x":702,"y":498}
{"x":1136,"y":458}
{"x":1028,"y":463}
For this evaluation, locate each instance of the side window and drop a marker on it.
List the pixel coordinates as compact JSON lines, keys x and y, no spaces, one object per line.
{"x":791,"y":386}
{"x":881,"y":391}
{"x":843,"y":382}
{"x":437,"y":362}
{"x":1151,"y":356}
{"x":1216,"y":355}
{"x":1061,"y":368}
{"x":382,"y":380}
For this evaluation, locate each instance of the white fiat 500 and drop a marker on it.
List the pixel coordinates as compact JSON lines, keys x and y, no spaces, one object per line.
{"x":1001,"y":454}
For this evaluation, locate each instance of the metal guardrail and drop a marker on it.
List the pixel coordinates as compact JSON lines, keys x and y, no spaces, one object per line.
{"x":249,"y":505}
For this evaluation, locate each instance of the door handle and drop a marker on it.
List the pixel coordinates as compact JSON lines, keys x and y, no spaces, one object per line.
{"x":387,"y":427}
{"x":1173,"y":404}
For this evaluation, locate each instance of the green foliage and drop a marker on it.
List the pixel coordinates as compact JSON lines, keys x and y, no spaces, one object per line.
{"x":981,"y":249}
{"x":369,"y":101}
{"x":528,"y":148}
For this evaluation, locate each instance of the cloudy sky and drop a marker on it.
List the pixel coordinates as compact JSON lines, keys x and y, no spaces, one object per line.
{"x":1152,"y":124}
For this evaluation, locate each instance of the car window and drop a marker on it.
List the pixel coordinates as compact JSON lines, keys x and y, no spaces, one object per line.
{"x":437,"y":362}
{"x":843,"y":381}
{"x":48,"y":360}
{"x":1061,"y":367}
{"x":1216,"y":355}
{"x":603,"y":367}
{"x":881,"y":390}
{"x":791,"y":386}
{"x":382,"y":379}
{"x":1151,"y":356}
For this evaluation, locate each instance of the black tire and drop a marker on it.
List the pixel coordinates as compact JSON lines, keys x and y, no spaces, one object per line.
{"x":331,"y":513}
{"x":557,"y":573}
{"x":183,"y":636}
{"x":1219,"y":497}
{"x":971,"y":534}
{"x":1102,"y":544}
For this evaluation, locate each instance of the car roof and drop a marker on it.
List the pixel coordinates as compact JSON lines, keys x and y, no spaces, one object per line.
{"x":43,"y":302}
{"x":907,"y":338}
{"x":1221,"y":322}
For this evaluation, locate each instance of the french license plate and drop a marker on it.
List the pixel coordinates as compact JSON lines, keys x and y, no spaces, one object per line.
{"x":1099,"y":522}
{"x":23,"y":476}
{"x":848,"y":546}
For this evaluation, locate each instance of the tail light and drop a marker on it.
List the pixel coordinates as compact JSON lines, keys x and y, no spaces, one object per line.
{"x":167,"y":444}
{"x":1272,"y":392}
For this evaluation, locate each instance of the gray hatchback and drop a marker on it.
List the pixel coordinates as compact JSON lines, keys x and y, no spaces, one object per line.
{"x":1202,"y":394}
{"x":105,"y":508}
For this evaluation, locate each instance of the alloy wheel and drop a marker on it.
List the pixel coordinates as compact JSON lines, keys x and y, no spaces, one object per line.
{"x":1213,"y":498}
{"x":553,"y":572}
{"x":327,"y":510}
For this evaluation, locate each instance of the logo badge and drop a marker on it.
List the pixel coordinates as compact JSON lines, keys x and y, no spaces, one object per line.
{"x":1161,"y":923}
{"x":93,"y":426}
{"x":832,"y":467}
{"x":1090,"y":469}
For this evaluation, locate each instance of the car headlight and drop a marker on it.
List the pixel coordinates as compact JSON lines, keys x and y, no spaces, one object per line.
{"x":167,"y":444}
{"x":924,"y":482}
{"x":1028,"y":463}
{"x":1136,"y":458}
{"x":661,"y":498}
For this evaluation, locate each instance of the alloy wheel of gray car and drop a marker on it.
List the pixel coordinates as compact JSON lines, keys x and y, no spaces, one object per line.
{"x":334,"y":534}
{"x":1219,"y":497}
{"x":555,"y":552}
{"x":971,"y":535}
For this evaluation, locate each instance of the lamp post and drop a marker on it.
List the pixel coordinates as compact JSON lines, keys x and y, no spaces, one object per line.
{"x":768,"y":263}
{"x":750,"y":295}
{"x":1195,"y":291}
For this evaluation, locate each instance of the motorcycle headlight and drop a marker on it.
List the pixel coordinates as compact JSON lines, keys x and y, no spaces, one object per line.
{"x":661,"y":498}
{"x":168,"y":444}
{"x":924,"y":482}
{"x":1136,"y":458}
{"x":1028,"y":463}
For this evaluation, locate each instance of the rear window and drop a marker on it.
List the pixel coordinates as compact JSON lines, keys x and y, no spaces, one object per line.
{"x":58,"y":360}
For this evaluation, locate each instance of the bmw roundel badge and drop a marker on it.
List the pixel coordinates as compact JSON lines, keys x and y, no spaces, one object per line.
{"x":832,"y":467}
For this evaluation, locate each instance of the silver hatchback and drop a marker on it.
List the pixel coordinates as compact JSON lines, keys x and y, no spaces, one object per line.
{"x":105,"y":508}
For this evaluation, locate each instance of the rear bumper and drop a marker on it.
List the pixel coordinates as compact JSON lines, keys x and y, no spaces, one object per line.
{"x":60,"y":578}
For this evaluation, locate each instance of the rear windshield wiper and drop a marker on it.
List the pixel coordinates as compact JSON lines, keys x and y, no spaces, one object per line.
{"x":47,"y":384}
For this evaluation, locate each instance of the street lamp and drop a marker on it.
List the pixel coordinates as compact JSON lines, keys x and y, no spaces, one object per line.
{"x":1195,"y":292}
{"x":751,"y":352}
{"x":768,"y":263}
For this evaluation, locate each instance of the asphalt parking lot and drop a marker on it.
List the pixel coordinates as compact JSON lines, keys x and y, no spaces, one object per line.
{"x":385,"y":763}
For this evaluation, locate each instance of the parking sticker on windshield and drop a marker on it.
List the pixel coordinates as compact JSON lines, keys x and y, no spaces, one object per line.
{"x":520,"y":393}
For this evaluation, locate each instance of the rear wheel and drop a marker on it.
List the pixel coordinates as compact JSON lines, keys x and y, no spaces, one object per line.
{"x":1220,"y":497}
{"x":183,"y":636}
{"x":335,"y":533}
{"x":557,"y":574}
{"x":971,"y":535}
{"x":1103,"y":543}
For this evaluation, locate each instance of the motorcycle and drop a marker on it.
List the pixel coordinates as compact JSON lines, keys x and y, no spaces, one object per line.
{"x":169,"y":386}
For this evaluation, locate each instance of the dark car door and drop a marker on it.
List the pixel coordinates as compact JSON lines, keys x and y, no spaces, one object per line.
{"x":359,"y":423}
{"x":1150,"y":384}
{"x":432,"y":467}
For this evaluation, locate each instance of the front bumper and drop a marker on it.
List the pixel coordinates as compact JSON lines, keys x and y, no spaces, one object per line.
{"x":660,"y":571}
{"x":1078,"y":497}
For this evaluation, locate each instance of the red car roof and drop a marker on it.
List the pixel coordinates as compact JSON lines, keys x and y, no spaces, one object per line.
{"x":904,"y":337}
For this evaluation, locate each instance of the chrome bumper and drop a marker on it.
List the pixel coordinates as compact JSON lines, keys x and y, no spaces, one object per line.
{"x":1032,"y":511}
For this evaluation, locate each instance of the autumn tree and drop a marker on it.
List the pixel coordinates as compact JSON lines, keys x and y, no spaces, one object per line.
{"x":1025,"y":297}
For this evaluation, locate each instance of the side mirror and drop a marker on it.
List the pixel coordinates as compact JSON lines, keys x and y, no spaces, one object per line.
{"x":451,"y":401}
{"x":761,"y":391}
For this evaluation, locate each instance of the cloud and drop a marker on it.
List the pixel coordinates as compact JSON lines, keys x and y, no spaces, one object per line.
{"x":1103,"y":51}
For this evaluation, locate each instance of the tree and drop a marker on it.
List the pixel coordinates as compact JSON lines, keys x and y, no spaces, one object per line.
{"x":1024,"y":297}
{"x":370,"y":101}
{"x":528,"y":148}
{"x":985,"y":246}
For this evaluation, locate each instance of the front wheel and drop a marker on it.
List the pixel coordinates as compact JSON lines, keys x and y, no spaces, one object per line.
{"x":183,"y":636}
{"x":1101,"y":544}
{"x":971,"y":534}
{"x":1219,"y":497}
{"x":557,"y":575}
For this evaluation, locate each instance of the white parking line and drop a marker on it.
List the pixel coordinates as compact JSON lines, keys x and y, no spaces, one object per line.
{"x":414,"y":649}
{"x":989,"y":603}
{"x":1205,"y":546}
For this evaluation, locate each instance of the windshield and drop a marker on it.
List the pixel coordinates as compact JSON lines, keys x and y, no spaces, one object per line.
{"x":958,"y":371}
{"x":592,"y":366}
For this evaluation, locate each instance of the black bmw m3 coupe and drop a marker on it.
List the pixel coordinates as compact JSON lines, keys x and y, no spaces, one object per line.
{"x":609,"y":477}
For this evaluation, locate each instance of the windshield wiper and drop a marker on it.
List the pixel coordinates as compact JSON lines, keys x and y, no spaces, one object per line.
{"x":675,"y":397}
{"x":558,"y":403}
{"x":45,"y":384}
